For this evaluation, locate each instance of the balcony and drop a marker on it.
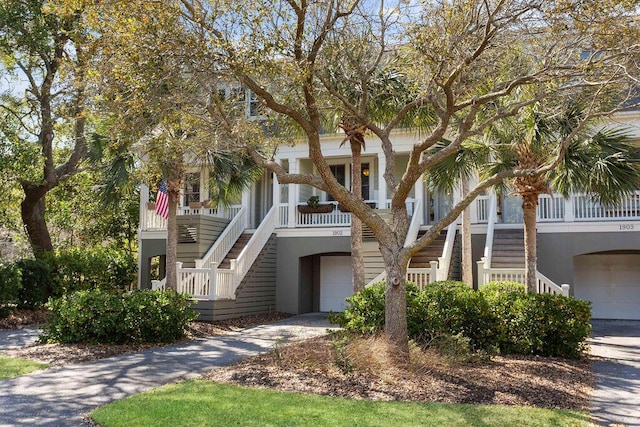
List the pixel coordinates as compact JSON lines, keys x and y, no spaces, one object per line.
{"x":577,"y":208}
{"x":150,"y":221}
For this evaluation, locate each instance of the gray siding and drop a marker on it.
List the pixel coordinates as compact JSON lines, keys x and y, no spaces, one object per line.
{"x":204,"y":230}
{"x":256,"y":294}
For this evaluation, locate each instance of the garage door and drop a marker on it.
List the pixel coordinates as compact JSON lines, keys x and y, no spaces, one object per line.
{"x":611,"y":282}
{"x":335,"y":282}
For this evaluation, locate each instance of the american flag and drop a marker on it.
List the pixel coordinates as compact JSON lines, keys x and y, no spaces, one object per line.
{"x":162,"y":200}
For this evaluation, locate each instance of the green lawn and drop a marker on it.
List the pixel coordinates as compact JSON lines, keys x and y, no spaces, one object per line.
{"x":12,"y":367}
{"x":203,"y":403}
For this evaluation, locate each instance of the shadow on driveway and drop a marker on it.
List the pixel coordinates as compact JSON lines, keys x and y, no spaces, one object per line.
{"x":615,"y":345}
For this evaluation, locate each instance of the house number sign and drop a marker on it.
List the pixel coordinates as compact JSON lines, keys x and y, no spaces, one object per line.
{"x":339,"y":232}
{"x":626,"y":227}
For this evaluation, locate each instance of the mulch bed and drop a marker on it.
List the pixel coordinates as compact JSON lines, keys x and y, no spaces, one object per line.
{"x":23,"y":319}
{"x":310,"y":367}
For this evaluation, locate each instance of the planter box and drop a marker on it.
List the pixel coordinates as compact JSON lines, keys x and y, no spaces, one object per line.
{"x":303,"y":209}
{"x":195,"y":205}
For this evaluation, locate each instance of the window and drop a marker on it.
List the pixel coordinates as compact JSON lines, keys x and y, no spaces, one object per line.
{"x":191,"y":188}
{"x":365,"y":172}
{"x":339,"y":171}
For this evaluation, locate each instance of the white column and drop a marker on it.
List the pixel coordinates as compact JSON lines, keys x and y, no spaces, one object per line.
{"x":382,"y":184}
{"x":568,"y":209}
{"x":144,"y":199}
{"x":276,"y":198}
{"x":293,"y":193}
{"x":246,"y":202}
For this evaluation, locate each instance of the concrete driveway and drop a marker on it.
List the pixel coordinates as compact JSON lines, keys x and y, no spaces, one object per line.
{"x":615,"y":345}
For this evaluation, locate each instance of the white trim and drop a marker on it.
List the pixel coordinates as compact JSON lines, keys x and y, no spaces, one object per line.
{"x":314,"y":232}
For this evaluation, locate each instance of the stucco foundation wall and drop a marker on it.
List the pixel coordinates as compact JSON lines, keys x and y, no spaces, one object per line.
{"x":556,"y":251}
{"x":288,"y":276}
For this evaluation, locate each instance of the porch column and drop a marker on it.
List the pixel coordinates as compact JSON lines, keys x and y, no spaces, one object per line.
{"x":276,"y":198}
{"x":568,"y":209}
{"x":294,"y":167}
{"x":382,"y":184}
{"x":246,"y":202}
{"x":144,"y":198}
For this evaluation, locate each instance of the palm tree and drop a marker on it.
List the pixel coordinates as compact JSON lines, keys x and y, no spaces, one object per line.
{"x":601,"y":163}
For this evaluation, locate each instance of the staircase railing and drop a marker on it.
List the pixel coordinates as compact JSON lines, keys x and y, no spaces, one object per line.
{"x":444,"y":262}
{"x":414,"y":225}
{"x":484,"y":264}
{"x":547,"y":286}
{"x":250,"y":253}
{"x":225,"y":241}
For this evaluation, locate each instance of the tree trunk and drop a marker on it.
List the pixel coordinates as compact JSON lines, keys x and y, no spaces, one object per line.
{"x":467,"y":256}
{"x":357,"y":260}
{"x":173,"y":193}
{"x":529,"y":204}
{"x":33,"y":211}
{"x":396,"y":306}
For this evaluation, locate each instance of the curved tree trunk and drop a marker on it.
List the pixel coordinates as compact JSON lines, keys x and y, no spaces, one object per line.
{"x":529,"y":204}
{"x":32,"y":211}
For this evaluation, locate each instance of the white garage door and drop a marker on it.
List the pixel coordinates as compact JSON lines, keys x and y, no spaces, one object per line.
{"x":336,"y":282}
{"x":611,"y":282}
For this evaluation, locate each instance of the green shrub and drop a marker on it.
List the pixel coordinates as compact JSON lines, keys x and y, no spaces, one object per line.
{"x":82,"y":269}
{"x":453,"y":308}
{"x":99,"y":316}
{"x":37,"y":282}
{"x":365,"y":312}
{"x":542,"y":324}
{"x":10,"y":285}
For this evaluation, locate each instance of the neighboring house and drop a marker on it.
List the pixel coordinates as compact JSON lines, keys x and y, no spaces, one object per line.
{"x":267,"y":254}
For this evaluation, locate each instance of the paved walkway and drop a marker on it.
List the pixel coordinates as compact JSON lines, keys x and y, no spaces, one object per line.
{"x":18,"y":338}
{"x":62,"y":396}
{"x":616,"y":399}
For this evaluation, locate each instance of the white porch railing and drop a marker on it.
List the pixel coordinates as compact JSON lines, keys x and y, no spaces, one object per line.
{"x":586,"y":209}
{"x":335,"y":218}
{"x":420,"y":276}
{"x":226,"y":240}
{"x":550,"y":208}
{"x":151,"y":221}
{"x":482,"y":208}
{"x":543,"y":283}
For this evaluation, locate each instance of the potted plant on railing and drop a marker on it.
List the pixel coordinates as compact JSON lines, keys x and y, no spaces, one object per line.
{"x":314,"y":206}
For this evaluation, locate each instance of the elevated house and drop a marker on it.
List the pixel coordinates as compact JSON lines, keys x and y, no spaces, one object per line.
{"x":272,"y":251}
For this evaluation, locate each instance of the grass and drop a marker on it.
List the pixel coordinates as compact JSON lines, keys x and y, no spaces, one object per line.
{"x":12,"y":367}
{"x":204,"y":403}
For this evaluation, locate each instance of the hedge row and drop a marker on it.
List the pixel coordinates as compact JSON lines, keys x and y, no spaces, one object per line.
{"x":28,"y":283}
{"x":500,"y":316}
{"x":97,"y":316}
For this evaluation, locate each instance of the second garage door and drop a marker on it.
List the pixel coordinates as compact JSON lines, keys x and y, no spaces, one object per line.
{"x":611,"y":282}
{"x":335,"y":282}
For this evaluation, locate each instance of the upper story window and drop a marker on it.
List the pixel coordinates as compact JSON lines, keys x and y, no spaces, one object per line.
{"x":191,"y":188}
{"x":243,"y":100}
